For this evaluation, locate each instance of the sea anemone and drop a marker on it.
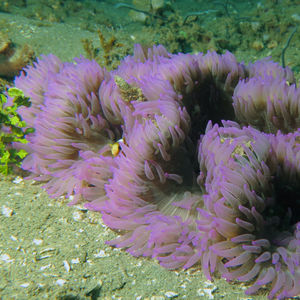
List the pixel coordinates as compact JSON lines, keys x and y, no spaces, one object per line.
{"x":148,"y":147}
{"x":269,"y":104}
{"x":148,"y":186}
{"x":252,"y":206}
{"x":33,"y":81}
{"x":269,"y":68}
{"x":152,"y":198}
{"x":71,"y":132}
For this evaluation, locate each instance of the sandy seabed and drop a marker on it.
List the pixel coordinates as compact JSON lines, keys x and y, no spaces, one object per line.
{"x":49,"y":250}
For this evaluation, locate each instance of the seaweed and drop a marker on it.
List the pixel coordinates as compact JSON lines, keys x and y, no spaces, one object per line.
{"x":12,"y":130}
{"x":108,"y":47}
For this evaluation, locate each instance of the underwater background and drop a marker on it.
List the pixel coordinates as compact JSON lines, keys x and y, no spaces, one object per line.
{"x":107,"y":30}
{"x":52,"y":251}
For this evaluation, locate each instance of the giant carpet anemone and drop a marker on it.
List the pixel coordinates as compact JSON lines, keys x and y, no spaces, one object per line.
{"x":156,"y":148}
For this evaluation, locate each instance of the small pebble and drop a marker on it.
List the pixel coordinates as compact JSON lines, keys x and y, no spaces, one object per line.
{"x":6,"y":258}
{"x":171,"y":295}
{"x":75,"y":260}
{"x":60,"y":282}
{"x":67,"y":266}
{"x":45,"y":267}
{"x":157,"y":298}
{"x":101,"y":253}
{"x":37,"y":241}
{"x":6,"y":211}
{"x":17,"y":180}
{"x":77,"y":215}
{"x":13,"y":238}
